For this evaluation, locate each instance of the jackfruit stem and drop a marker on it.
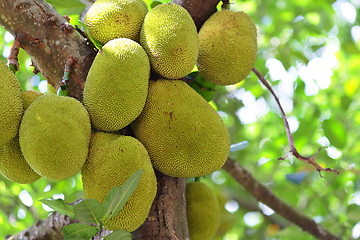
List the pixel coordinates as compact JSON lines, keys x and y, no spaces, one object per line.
{"x":293,"y":151}
{"x":225,"y":5}
{"x":12,"y":59}
{"x":67,"y":71}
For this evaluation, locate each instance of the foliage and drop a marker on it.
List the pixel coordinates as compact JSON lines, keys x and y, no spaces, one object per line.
{"x":92,"y":211}
{"x":309,"y":51}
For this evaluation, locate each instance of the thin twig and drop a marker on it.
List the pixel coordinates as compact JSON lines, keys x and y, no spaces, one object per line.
{"x":264,"y":195}
{"x":293,"y":151}
{"x":13,"y":56}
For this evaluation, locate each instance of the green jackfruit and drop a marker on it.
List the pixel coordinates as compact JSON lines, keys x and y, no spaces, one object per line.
{"x":184,"y":135}
{"x":111,"y":19}
{"x":11,"y":104}
{"x":29,"y":96}
{"x":112,"y":160}
{"x":51,"y":89}
{"x":227,"y":47}
{"x":170,"y":39}
{"x":202,"y":209}
{"x":12,"y":163}
{"x":54,"y":136}
{"x":116,"y":86}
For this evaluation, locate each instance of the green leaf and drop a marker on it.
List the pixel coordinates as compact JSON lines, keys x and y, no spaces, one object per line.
{"x":60,"y":206}
{"x":336,"y":133}
{"x":155,"y":3}
{"x":119,"y":235}
{"x":117,"y":196}
{"x":62,"y":92}
{"x":79,"y":231}
{"x":89,"y":211}
{"x":206,"y":89}
{"x":67,"y":7}
{"x":96,"y":43}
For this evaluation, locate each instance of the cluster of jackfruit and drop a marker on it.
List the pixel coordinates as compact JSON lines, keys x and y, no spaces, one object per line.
{"x":174,"y":129}
{"x":48,"y":135}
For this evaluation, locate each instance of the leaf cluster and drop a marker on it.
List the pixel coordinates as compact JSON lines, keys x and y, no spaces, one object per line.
{"x":91,"y":211}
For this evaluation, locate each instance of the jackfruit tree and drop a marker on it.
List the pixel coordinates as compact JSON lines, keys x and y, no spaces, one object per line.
{"x":223,"y":104}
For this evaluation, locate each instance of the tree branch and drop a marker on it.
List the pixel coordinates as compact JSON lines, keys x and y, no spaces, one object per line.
{"x":252,"y":206}
{"x":293,"y":151}
{"x":264,"y":195}
{"x":48,"y":229}
{"x":49,"y":40}
{"x":199,"y":10}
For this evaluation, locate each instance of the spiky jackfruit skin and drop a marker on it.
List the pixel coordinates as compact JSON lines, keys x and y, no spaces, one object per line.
{"x":227,"y":47}
{"x":29,"y":96}
{"x":13,"y":165}
{"x":116,"y":86}
{"x":112,"y":160}
{"x":11,"y":104}
{"x":111,"y":19}
{"x":202,"y":209}
{"x":54,"y":136}
{"x":170,"y":39}
{"x":184,"y":135}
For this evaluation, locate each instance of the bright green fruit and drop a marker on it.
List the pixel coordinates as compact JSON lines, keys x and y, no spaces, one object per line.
{"x":227,"y":47}
{"x":29,"y":96}
{"x":170,"y":39}
{"x":117,"y":84}
{"x":112,"y":160}
{"x":11,"y":104}
{"x":184,"y":135}
{"x":13,"y":165}
{"x":51,"y":89}
{"x":111,"y":19}
{"x":202,"y":209}
{"x":54,"y":136}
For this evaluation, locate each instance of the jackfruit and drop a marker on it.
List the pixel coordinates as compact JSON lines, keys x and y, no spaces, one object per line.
{"x":111,"y":19}
{"x":51,"y":89}
{"x":184,"y":135}
{"x":54,"y":136}
{"x":13,"y":165}
{"x":170,"y":39}
{"x":29,"y":96}
{"x":202,"y":209}
{"x":113,"y":158}
{"x":116,"y":86}
{"x":11,"y":104}
{"x":227,"y":47}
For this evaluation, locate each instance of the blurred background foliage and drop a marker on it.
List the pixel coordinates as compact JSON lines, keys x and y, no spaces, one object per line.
{"x":310,"y":53}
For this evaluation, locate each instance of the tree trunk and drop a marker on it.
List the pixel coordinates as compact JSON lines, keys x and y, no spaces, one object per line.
{"x":167,"y":217}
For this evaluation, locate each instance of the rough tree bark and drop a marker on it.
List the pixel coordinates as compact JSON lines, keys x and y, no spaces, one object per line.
{"x":49,"y":40}
{"x":167,"y":217}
